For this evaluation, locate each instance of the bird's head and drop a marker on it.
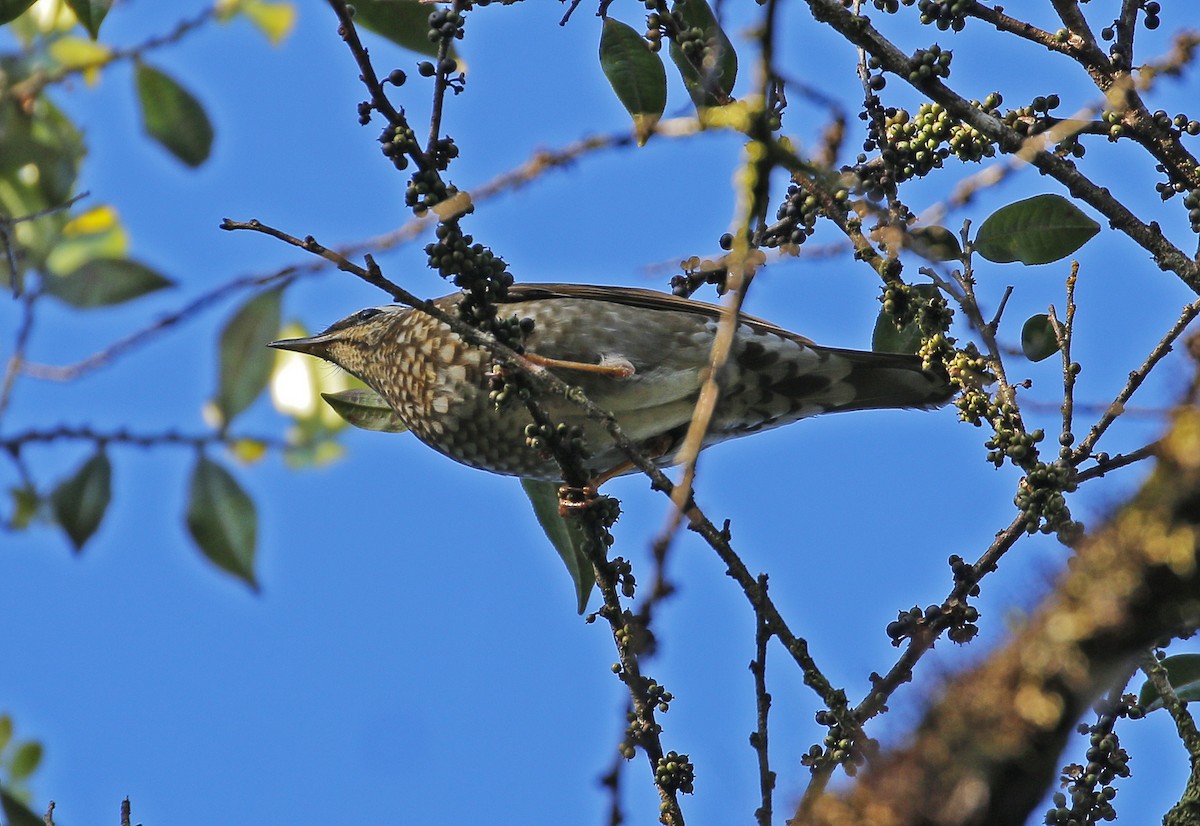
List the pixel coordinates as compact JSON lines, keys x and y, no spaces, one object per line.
{"x":348,"y":343}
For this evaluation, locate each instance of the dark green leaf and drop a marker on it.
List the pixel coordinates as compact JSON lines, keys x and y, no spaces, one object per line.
{"x":404,"y":22}
{"x":1037,"y":338}
{"x":936,"y":244}
{"x":173,"y":117}
{"x":565,"y":534}
{"x":887,"y":338}
{"x":1183,"y":673}
{"x":635,"y":73}
{"x":17,"y":813}
{"x":6,"y":730}
{"x":712,"y":83}
{"x":105,"y":281}
{"x":80,"y":501}
{"x":1038,"y":230}
{"x":25,"y":760}
{"x":245,"y":362}
{"x":12,"y":9}
{"x":222,"y":519}
{"x":365,"y":409}
{"x":91,"y":13}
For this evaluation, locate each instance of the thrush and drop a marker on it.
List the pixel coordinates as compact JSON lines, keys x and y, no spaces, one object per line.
{"x":640,"y":354}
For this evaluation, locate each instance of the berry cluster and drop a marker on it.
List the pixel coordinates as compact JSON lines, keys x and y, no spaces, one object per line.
{"x":913,"y":146}
{"x":396,"y":142}
{"x":929,"y":63}
{"x":945,"y":14}
{"x":838,"y":746}
{"x":480,"y":274}
{"x":1191,"y":202}
{"x":1089,"y":789}
{"x":675,"y":772}
{"x":445,"y":24}
{"x":959,"y":620}
{"x":797,"y":216}
{"x":1040,"y":498}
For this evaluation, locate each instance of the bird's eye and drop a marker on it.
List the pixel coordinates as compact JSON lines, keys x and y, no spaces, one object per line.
{"x":370,"y":312}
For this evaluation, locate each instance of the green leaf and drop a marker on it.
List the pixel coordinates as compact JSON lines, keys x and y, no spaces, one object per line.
{"x":565,"y":534}
{"x":6,"y":730}
{"x":1183,"y":672}
{"x":1038,"y":230}
{"x":80,"y":501}
{"x":712,"y":84}
{"x":365,"y":409}
{"x":173,"y":117}
{"x":245,"y":364}
{"x":887,"y":338}
{"x":25,"y":503}
{"x":105,"y":281}
{"x":222,"y":520}
{"x":1038,"y":341}
{"x":12,"y":9}
{"x":404,"y":22}
{"x":39,"y":166}
{"x":635,"y":73}
{"x":17,"y":813}
{"x":25,"y":760}
{"x":91,"y":13}
{"x":936,"y":243}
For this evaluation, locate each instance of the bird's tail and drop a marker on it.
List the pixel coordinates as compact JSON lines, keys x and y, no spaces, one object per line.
{"x":890,"y":380}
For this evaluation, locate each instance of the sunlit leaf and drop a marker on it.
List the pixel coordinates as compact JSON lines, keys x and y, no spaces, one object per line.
{"x":96,"y":233}
{"x":79,"y":502}
{"x":77,"y":53}
{"x":173,"y":117}
{"x":248,"y":451}
{"x":1183,"y":673}
{"x":17,"y":813}
{"x":91,"y":13}
{"x":1038,"y":341}
{"x":105,"y":281}
{"x":565,"y":534}
{"x":222,"y":520}
{"x":275,"y":20}
{"x":635,"y":73}
{"x":711,"y":85}
{"x":404,"y":22}
{"x":244,"y":361}
{"x":12,"y":9}
{"x":1037,"y":230}
{"x":365,"y":409}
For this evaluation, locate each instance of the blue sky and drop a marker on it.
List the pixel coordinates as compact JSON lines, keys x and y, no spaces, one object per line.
{"x":414,"y":657}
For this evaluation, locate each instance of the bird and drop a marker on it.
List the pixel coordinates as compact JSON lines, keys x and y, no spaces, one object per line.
{"x":640,"y":354}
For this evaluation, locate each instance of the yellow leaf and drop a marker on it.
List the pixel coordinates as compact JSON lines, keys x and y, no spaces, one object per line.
{"x":79,"y":53}
{"x":95,"y":220}
{"x":275,"y":20}
{"x":248,"y":451}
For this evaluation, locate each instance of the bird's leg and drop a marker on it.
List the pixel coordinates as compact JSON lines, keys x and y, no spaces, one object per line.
{"x":613,"y":367}
{"x":570,"y":497}
{"x":573,"y":499}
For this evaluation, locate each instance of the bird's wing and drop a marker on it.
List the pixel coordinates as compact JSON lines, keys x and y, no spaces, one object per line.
{"x":646,"y":299}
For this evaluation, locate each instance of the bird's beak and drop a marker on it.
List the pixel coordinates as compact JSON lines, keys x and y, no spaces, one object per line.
{"x":317,"y":345}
